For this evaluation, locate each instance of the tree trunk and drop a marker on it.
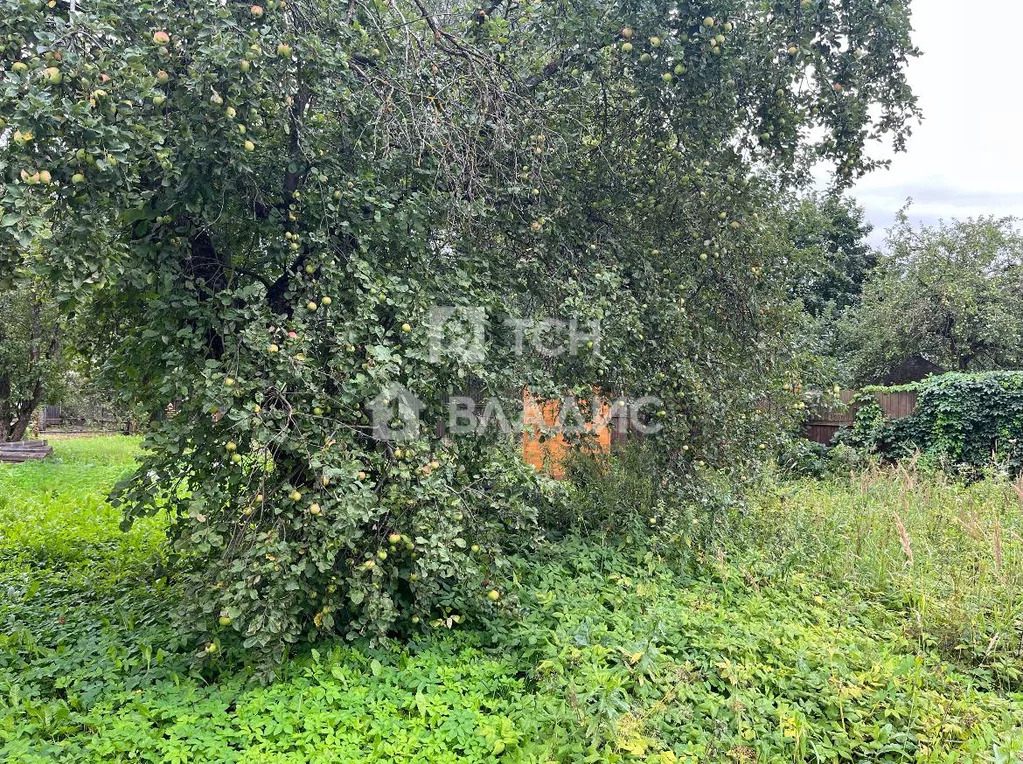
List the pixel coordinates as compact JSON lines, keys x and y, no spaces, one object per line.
{"x":25,"y":409}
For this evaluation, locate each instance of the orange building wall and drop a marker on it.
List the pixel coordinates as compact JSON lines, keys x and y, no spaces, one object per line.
{"x":551,"y":452}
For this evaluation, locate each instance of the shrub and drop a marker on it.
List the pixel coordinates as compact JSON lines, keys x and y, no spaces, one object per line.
{"x":961,"y":421}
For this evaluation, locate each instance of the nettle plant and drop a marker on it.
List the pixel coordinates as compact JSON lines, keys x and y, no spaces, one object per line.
{"x":266,"y":202}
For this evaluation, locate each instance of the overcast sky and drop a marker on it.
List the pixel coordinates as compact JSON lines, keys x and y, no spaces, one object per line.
{"x":966,"y":158}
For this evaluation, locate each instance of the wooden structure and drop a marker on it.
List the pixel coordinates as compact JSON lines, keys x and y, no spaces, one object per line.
{"x":24,"y":451}
{"x":823,"y":427}
{"x":544,"y":447}
{"x":92,"y":420}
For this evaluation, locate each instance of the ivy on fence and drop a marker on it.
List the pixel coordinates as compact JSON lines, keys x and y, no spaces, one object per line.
{"x":962,"y":419}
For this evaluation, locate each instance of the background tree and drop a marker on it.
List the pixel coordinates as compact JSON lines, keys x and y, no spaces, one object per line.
{"x":31,"y":361}
{"x":949,"y":294}
{"x":269,"y":201}
{"x":829,"y":235}
{"x":831,"y":259}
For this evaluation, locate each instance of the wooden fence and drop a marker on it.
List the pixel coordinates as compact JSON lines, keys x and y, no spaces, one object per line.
{"x":548,"y":452}
{"x":894,"y":405}
{"x":59,"y":419}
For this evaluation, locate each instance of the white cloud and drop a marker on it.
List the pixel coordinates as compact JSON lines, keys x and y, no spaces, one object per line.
{"x":966,"y":159}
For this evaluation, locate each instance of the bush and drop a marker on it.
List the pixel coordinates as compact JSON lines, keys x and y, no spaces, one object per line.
{"x":961,"y":421}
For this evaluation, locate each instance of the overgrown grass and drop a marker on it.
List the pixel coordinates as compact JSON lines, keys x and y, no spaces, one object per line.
{"x":807,"y":638}
{"x":947,"y":555}
{"x":54,"y":514}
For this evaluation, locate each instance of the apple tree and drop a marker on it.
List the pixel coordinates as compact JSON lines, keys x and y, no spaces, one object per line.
{"x":267,"y":203}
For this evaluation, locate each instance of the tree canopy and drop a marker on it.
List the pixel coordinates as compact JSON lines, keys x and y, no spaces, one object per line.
{"x":949,"y":294}
{"x":266,"y":203}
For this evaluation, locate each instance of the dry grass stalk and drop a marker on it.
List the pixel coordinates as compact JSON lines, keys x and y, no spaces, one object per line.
{"x":907,"y":546}
{"x":1017,"y":486}
{"x":998,"y":547}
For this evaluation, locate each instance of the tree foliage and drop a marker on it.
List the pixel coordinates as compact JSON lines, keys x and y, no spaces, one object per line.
{"x":829,"y":235}
{"x":949,"y":294}
{"x":268,"y":201}
{"x":31,"y":357}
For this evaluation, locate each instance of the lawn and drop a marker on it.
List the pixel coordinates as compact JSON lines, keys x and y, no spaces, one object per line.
{"x":809,"y":635}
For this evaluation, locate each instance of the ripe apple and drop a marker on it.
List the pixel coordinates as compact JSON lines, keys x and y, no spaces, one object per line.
{"x":230,"y":112}
{"x":394,"y":538}
{"x":655,"y":41}
{"x":626,"y":33}
{"x":229,"y":382}
{"x":284,"y":50}
{"x":161,"y":38}
{"x":793,"y":50}
{"x":494,"y":595}
{"x":369,"y":564}
{"x":162,"y":77}
{"x":52,"y":75}
{"x":406,"y":328}
{"x":44,"y":176}
{"x":256,"y":11}
{"x":627,"y":47}
{"x":314,"y":509}
{"x":250,"y":146}
{"x":295,"y":496}
{"x":326,"y":301}
{"x":709,"y":21}
{"x":311,"y":306}
{"x":273,"y":348}
{"x":244,"y":65}
{"x":231,"y":446}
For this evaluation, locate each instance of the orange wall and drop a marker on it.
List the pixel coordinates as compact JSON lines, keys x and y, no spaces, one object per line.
{"x":550,"y":454}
